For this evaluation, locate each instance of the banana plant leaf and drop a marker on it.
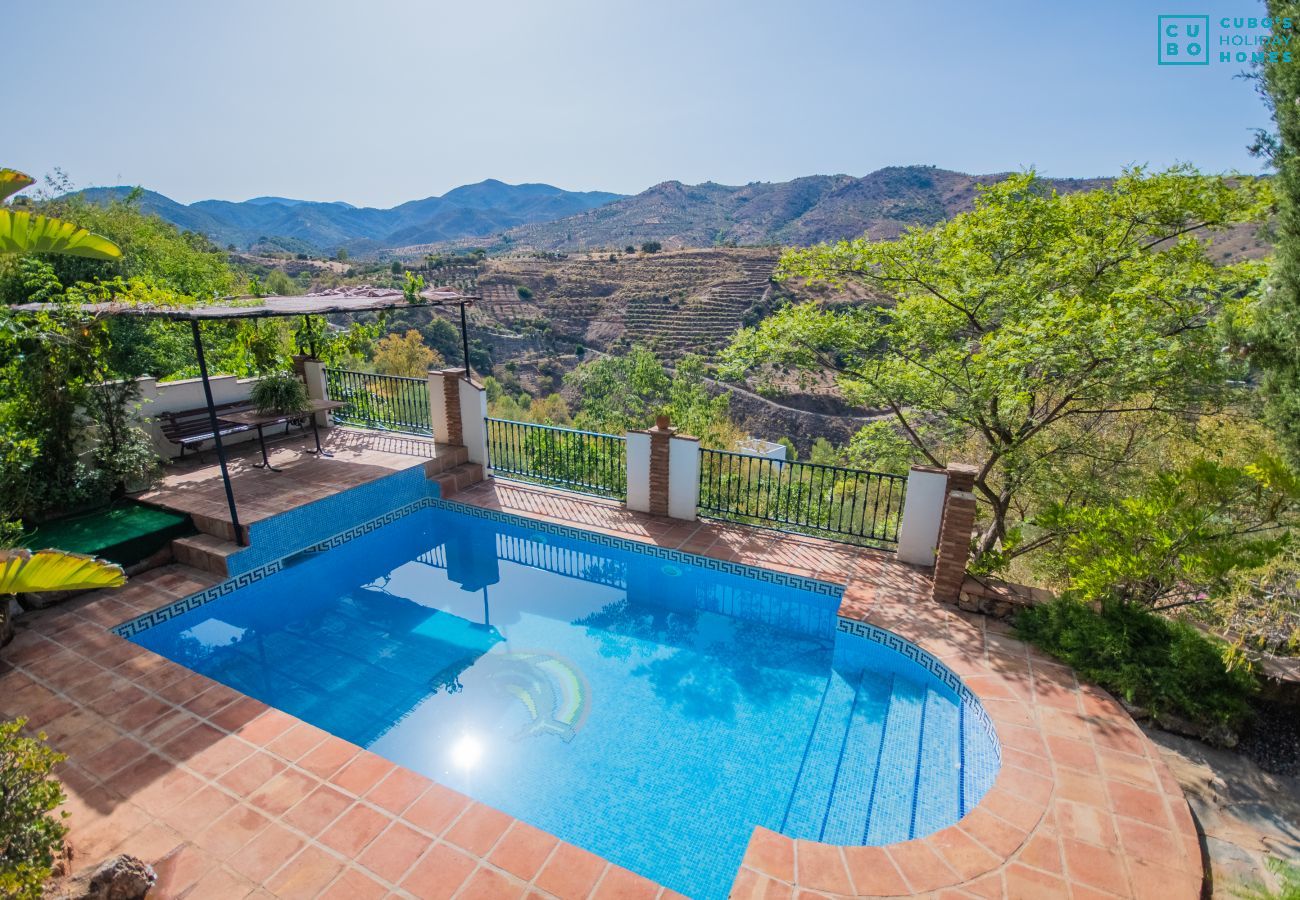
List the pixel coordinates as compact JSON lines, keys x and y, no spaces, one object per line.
{"x":22,"y":571}
{"x":23,"y":232}
{"x":12,"y":181}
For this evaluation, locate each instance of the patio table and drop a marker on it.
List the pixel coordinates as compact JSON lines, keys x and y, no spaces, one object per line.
{"x":261,"y":420}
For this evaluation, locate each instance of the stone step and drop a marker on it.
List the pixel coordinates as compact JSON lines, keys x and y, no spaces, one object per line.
{"x":205,"y":552}
{"x":448,"y":458}
{"x":458,"y":478}
{"x":216,"y":527}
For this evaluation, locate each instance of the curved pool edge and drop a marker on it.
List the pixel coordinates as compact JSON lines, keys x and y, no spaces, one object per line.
{"x":1081,"y":797}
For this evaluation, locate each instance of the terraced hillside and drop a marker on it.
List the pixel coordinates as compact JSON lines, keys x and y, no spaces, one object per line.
{"x":691,"y":300}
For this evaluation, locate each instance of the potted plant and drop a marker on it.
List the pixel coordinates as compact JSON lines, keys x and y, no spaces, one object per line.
{"x":130,"y":462}
{"x":280,"y":393}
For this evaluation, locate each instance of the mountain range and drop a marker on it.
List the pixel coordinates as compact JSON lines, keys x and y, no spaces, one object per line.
{"x":800,"y":212}
{"x":486,"y":208}
{"x":541,"y":217}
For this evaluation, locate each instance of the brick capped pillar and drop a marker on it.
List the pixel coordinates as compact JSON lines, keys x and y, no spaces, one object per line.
{"x":953,"y":551}
{"x":661,"y":437}
{"x":444,"y":406}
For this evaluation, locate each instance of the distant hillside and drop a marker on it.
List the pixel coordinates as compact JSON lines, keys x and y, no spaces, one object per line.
{"x":799,"y":212}
{"x":486,"y":208}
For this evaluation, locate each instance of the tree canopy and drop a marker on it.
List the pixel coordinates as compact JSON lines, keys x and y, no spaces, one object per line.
{"x":1020,"y":334}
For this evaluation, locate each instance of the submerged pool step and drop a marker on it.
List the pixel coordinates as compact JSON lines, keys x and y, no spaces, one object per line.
{"x":938,"y":787}
{"x":846,"y":817}
{"x":894,"y":790}
{"x":806,"y":812}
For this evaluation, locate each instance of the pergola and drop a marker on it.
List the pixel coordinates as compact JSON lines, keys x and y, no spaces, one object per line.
{"x":336,"y":301}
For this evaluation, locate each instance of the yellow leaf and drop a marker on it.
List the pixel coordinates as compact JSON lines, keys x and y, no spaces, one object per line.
{"x":13,"y":181}
{"x":22,"y":571}
{"x":23,"y":232}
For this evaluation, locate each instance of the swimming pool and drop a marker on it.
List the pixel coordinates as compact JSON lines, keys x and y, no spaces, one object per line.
{"x":645,"y":704}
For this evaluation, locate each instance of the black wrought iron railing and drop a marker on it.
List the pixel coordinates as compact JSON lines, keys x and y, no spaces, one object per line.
{"x":388,"y":402}
{"x":583,"y":461}
{"x":828,"y":501}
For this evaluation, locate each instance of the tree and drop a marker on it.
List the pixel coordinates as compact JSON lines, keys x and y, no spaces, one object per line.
{"x":651,"y":247}
{"x":1272,"y":330}
{"x":629,"y":391}
{"x":342,"y":254}
{"x":1027,"y":332}
{"x":396,"y":267}
{"x":405,"y":355}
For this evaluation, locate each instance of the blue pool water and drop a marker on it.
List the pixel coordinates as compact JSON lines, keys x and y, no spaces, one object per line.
{"x":644,"y":707}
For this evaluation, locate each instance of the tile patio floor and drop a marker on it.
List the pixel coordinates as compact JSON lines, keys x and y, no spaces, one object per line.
{"x":229,"y":798}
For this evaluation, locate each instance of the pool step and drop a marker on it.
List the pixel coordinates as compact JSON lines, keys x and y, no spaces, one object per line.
{"x":893,"y":791}
{"x":457,"y":478}
{"x":846,"y":818}
{"x":938,"y":787}
{"x":806,"y":814}
{"x":204,"y":551}
{"x":449,"y":457}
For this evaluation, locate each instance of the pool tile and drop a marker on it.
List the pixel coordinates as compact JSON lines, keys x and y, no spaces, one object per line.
{"x":439,"y":873}
{"x":873,"y":872}
{"x":393,"y":853}
{"x":278,"y":795}
{"x":570,"y":873}
{"x":249,"y":775}
{"x":305,"y":876}
{"x":328,"y":757}
{"x":315,"y":812}
{"x":963,"y":854}
{"x":232,"y":831}
{"x":490,"y":884}
{"x":354,"y":830}
{"x":362,"y":773}
{"x":259,"y":859}
{"x":297,"y":742}
{"x":619,"y":884}
{"x":181,"y":869}
{"x":199,"y":810}
{"x":523,"y":850}
{"x":1025,"y":882}
{"x":923,"y":868}
{"x":478,"y":829}
{"x":354,"y":884}
{"x":220,"y":884}
{"x":821,"y":867}
{"x":436,"y":809}
{"x":397,"y":791}
{"x":771,"y":854}
{"x":1095,"y":866}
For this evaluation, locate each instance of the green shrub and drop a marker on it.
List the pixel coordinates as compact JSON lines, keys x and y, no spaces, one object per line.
{"x":29,"y":836}
{"x":280,"y":392}
{"x":1288,"y":876}
{"x":1165,"y":666}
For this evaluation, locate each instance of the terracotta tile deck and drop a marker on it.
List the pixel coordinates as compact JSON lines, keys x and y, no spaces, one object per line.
{"x":229,"y":798}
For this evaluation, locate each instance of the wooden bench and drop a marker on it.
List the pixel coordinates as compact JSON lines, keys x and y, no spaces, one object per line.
{"x":189,"y":428}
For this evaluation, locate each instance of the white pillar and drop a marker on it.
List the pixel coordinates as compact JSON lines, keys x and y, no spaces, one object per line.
{"x":638,"y":471}
{"x":473,"y":413}
{"x":313,"y":373}
{"x":438,"y":409}
{"x":918,"y":536}
{"x":684,"y":478}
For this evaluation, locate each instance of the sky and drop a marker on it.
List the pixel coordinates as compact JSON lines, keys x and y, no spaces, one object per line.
{"x":382,"y":101}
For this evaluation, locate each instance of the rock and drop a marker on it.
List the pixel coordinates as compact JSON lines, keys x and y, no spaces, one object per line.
{"x":7,"y":613}
{"x":121,"y":878}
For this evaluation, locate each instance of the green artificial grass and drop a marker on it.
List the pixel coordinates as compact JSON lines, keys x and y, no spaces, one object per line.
{"x":124,"y":533}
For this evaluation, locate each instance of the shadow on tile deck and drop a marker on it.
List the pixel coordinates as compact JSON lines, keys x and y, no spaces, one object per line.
{"x":230,"y":798}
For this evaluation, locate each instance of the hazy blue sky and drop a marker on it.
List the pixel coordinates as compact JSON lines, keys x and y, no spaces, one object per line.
{"x":378,"y":102}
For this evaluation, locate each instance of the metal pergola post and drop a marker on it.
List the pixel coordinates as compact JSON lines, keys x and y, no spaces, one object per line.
{"x":464,"y":341}
{"x":216,"y":432}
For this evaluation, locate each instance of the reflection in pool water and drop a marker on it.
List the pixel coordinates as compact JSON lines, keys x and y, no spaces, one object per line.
{"x":652,"y":712}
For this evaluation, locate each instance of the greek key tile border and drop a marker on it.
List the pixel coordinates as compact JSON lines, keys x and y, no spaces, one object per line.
{"x":162,"y":614}
{"x":194,"y":601}
{"x":132,"y":627}
{"x":928,"y":662}
{"x":798,"y":582}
